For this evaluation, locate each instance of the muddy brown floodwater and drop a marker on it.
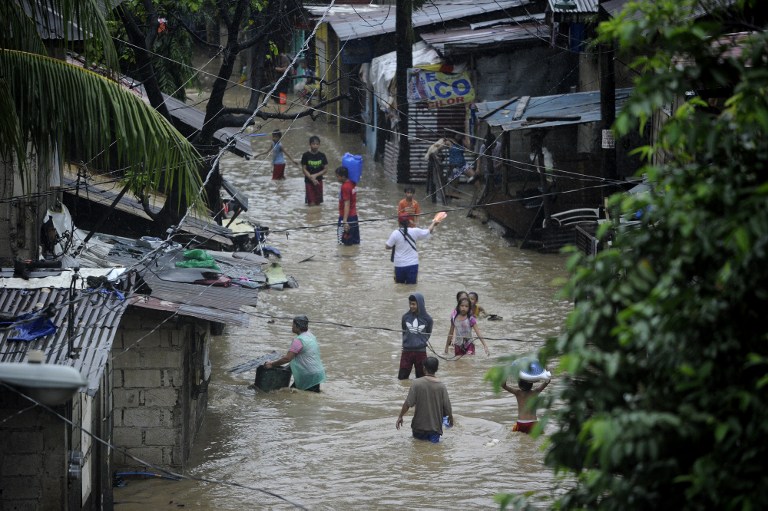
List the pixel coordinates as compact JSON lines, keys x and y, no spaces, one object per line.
{"x":340,"y":449}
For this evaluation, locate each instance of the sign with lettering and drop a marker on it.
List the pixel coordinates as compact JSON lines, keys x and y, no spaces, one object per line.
{"x":439,"y":89}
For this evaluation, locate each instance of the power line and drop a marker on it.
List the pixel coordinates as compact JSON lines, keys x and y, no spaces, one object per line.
{"x":127,"y":454}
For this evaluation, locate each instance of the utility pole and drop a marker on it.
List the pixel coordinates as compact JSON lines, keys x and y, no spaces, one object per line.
{"x":404,"y":48}
{"x":607,"y":102}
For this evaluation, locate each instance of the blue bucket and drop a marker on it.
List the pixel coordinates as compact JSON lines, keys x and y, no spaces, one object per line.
{"x":354,"y":164}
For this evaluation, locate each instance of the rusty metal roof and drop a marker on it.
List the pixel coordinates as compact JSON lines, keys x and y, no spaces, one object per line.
{"x":218,"y":315}
{"x":358,"y":22}
{"x":546,"y":111}
{"x":96,"y":319}
{"x":221,"y":304}
{"x":462,"y":39}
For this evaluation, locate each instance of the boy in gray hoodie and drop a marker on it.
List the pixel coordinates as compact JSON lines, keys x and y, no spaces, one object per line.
{"x":417,"y":327}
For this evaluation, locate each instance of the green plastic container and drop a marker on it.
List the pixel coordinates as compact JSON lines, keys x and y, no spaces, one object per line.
{"x":273,"y":378}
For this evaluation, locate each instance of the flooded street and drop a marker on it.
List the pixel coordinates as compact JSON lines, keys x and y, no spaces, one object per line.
{"x":340,"y":449}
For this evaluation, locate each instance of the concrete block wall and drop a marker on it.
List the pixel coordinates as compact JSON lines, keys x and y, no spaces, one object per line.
{"x":153,"y":392}
{"x":33,"y":468}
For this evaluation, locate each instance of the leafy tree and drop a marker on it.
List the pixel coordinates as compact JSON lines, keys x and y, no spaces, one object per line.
{"x":164,"y":44}
{"x":53,"y":107}
{"x":250,"y":25}
{"x":663,"y":402}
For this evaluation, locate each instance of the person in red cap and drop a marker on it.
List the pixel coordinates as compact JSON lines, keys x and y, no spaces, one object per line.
{"x":402,"y":243}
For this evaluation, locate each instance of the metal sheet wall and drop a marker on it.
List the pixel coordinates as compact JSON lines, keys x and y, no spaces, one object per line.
{"x":426,"y":126}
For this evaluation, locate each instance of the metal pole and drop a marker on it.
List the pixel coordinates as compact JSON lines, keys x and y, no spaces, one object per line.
{"x":607,"y":103}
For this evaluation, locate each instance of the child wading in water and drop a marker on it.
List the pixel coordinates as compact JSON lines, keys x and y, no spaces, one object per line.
{"x":460,"y":333}
{"x":526,"y":414}
{"x":278,"y":156}
{"x":477,"y":310}
{"x":409,"y":206}
{"x":313,"y":163}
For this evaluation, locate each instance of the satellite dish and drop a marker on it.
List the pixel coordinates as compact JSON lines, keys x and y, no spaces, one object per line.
{"x":49,"y":384}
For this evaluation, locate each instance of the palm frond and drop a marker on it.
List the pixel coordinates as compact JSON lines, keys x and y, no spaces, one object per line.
{"x":10,"y":138}
{"x":26,"y":24}
{"x":95,"y":117}
{"x":20,"y":30}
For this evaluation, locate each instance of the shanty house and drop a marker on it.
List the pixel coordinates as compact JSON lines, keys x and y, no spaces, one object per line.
{"x":140,"y":342}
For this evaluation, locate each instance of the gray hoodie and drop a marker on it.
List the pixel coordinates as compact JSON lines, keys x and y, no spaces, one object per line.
{"x":416,"y":327}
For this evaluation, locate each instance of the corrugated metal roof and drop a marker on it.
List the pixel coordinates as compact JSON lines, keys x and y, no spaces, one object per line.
{"x":358,"y":22}
{"x":105,"y":194}
{"x":221,"y":304}
{"x":528,"y":18}
{"x":220,"y":316}
{"x":546,"y":111}
{"x":580,"y":7}
{"x":49,"y":21}
{"x":224,"y":298}
{"x":455,"y":40}
{"x":96,"y":319}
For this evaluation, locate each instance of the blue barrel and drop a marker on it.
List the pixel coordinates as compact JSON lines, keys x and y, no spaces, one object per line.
{"x":354,"y":164}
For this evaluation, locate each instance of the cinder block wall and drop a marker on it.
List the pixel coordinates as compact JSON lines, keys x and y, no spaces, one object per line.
{"x":33,"y":468}
{"x":158,"y":399}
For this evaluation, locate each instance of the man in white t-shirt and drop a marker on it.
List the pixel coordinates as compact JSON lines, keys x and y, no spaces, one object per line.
{"x":402,"y":243}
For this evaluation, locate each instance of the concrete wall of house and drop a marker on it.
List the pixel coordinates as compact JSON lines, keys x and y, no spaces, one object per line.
{"x":160,"y":378}
{"x":33,"y":455}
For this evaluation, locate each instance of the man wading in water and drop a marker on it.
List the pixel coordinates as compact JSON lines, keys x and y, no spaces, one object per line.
{"x":430,"y":397}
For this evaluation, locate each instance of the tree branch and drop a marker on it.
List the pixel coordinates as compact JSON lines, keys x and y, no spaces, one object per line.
{"x":145,"y":206}
{"x":199,"y":40}
{"x":235,"y":117}
{"x":152,"y":24}
{"x":223,"y":12}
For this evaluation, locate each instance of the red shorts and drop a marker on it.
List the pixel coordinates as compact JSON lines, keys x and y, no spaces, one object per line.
{"x":314,"y":193}
{"x":466,"y":348}
{"x":524,"y":427}
{"x":411,"y":359}
{"x":278,"y":171}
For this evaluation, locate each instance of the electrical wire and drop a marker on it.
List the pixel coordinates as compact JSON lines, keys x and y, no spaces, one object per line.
{"x":127,"y":454}
{"x":173,"y":234}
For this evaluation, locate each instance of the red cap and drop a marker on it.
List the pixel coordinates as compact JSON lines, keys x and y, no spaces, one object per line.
{"x":404,"y":218}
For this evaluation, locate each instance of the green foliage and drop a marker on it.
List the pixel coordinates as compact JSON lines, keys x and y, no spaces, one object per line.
{"x":144,"y":142}
{"x":172,"y":47}
{"x":50,"y":105}
{"x":664,"y":359}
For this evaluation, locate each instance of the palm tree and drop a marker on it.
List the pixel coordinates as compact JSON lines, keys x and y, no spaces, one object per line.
{"x":51,"y":110}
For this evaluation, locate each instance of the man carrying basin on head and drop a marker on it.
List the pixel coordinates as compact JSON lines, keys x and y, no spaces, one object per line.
{"x":304,"y":358}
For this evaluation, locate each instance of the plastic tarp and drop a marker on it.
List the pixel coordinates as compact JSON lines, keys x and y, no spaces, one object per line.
{"x":29,"y":326}
{"x":382,"y":73}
